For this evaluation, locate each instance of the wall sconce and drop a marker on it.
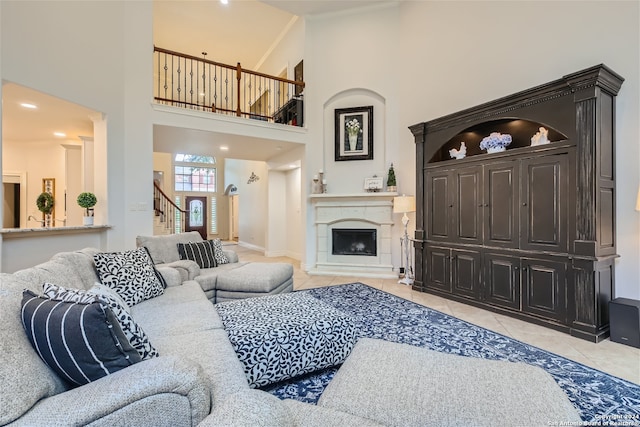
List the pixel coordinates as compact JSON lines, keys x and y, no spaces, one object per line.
{"x":253,"y":178}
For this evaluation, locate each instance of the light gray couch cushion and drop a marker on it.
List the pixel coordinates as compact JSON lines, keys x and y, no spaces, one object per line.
{"x":164,"y":249}
{"x":81,"y":263}
{"x":52,"y":272}
{"x":212,"y":350}
{"x":402,"y":385}
{"x":307,"y":415}
{"x":209,"y":276}
{"x":147,"y":389}
{"x":24,"y":377}
{"x":259,"y":277}
{"x":222,"y":295}
{"x":250,"y":408}
{"x":180,"y":310}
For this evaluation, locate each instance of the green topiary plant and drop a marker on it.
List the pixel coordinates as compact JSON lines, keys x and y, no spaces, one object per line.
{"x":45,"y":203}
{"x":87,"y":200}
{"x":391,"y":178}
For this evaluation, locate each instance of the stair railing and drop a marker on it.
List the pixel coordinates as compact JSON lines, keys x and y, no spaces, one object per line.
{"x":170,"y":215}
{"x":197,"y":83}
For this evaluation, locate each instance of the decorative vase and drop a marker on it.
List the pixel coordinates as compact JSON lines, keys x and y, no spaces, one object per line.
{"x":497,"y":149}
{"x":392,"y":188}
{"x":495,"y":142}
{"x":353,"y":141}
{"x":87,"y":220}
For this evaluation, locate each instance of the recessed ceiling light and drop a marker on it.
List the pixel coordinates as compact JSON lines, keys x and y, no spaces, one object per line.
{"x":224,"y":148}
{"x":60,"y":134}
{"x":292,"y":166}
{"x":30,"y":106}
{"x":224,"y":1}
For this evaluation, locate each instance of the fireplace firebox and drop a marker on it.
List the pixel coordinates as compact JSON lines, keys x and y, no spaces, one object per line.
{"x":354,"y":241}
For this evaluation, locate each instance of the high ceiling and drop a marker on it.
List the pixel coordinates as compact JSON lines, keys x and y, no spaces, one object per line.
{"x":242,"y":31}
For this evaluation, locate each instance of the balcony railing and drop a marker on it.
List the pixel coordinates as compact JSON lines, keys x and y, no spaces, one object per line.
{"x":197,"y":83}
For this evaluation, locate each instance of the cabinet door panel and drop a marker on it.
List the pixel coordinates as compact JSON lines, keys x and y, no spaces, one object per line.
{"x":544,"y":203}
{"x":544,"y":288}
{"x":467,"y":196}
{"x":465,"y":273}
{"x":437,"y":202}
{"x":502,"y":280}
{"x":438,"y":271}
{"x":501,"y":200}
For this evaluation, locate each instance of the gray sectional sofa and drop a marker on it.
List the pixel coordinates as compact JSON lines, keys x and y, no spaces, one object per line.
{"x":198,"y":380}
{"x":230,"y":281}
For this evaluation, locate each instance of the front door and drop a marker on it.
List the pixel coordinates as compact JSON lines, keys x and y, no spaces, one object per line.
{"x":196,"y":215}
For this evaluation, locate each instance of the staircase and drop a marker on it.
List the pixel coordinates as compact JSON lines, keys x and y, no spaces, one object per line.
{"x":169,"y":218}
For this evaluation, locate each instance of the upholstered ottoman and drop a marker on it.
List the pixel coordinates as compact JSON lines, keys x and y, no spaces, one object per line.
{"x":278,"y":337}
{"x":254,"y":279}
{"x":403,"y":385}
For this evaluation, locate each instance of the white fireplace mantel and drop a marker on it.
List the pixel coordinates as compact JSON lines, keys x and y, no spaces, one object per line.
{"x":356,"y":210}
{"x":357,"y":196}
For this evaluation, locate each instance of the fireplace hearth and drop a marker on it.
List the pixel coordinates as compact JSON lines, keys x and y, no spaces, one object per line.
{"x":349,"y":241}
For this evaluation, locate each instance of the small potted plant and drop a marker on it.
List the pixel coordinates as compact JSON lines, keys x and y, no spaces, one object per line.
{"x":391,"y":180}
{"x":45,"y":204}
{"x":87,"y":201}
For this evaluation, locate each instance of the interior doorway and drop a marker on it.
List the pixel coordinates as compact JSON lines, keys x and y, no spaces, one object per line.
{"x":15,"y":199}
{"x":11,"y":205}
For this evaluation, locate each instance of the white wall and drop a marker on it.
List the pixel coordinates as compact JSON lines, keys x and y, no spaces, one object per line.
{"x":252,"y":200}
{"x":426,"y":59}
{"x":288,"y":53}
{"x":96,"y":54}
{"x":42,"y":159}
{"x":295,"y":229}
{"x":454,"y":58}
{"x":276,"y":241}
{"x":351,"y":60}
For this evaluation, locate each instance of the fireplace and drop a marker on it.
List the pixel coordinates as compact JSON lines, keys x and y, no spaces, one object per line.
{"x":354,"y":241}
{"x":353,"y":235}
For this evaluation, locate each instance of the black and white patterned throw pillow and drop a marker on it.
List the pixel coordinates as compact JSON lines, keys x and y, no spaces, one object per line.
{"x":80,"y":341}
{"x":131,"y":274}
{"x":202,"y":253}
{"x":219,"y":254}
{"x":134,"y":334}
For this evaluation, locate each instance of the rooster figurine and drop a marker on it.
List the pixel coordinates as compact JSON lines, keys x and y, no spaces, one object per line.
{"x":459,"y":153}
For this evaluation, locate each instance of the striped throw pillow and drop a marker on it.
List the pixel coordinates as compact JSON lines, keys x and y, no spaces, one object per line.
{"x":203,"y":253}
{"x":132,"y":331}
{"x":80,"y":341}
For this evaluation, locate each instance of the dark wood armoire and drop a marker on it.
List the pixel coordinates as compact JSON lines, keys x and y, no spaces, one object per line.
{"x":529,"y":232}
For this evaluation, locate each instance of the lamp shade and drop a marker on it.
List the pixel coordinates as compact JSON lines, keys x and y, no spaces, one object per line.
{"x":638,"y":200}
{"x":403,"y":204}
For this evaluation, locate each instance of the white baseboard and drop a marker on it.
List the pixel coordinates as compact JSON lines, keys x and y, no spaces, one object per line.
{"x":250,"y":246}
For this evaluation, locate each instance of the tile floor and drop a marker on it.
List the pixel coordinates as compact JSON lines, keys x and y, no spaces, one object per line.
{"x":616,"y":359}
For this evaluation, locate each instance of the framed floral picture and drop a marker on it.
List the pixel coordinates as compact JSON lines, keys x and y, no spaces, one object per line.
{"x":354,"y":133}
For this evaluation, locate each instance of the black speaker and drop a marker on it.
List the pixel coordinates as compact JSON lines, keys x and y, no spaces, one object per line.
{"x":624,"y":321}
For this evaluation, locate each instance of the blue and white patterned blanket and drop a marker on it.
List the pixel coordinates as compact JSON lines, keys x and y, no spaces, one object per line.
{"x":599,"y":397}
